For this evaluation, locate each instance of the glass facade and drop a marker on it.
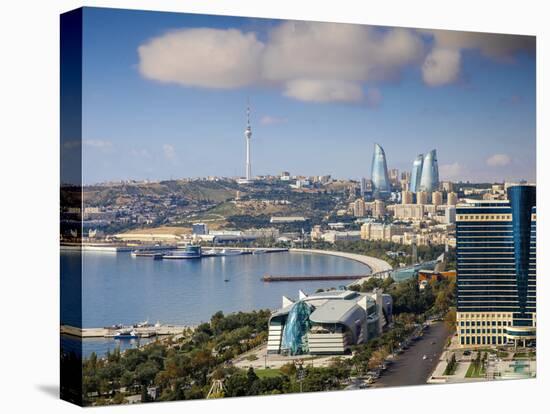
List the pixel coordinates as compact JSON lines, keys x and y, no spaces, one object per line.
{"x":416,"y":173}
{"x":379,"y":172}
{"x":429,"y":179}
{"x":496,"y":265}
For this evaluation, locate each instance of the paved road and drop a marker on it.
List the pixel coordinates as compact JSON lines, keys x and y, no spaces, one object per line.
{"x":409,"y":368}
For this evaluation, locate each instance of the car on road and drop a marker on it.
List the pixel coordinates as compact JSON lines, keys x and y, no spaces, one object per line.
{"x":467,"y":353}
{"x":424,"y":357}
{"x":433,"y":342}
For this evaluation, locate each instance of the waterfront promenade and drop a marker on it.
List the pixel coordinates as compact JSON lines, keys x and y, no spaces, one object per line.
{"x":376,"y":265}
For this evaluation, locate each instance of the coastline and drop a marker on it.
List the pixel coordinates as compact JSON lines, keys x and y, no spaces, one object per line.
{"x":374,"y":264}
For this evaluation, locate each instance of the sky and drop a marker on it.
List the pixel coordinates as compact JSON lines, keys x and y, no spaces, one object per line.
{"x":165,"y":97}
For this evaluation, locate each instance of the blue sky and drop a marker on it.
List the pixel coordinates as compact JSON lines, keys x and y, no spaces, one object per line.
{"x":164,"y":96}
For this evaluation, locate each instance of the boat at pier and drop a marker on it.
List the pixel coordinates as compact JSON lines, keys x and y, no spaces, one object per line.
{"x":230,"y":252}
{"x":126,"y":334}
{"x":189,"y":252}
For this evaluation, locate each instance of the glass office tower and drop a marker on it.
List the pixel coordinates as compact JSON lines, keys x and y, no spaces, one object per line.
{"x":416,"y":173}
{"x":429,"y":179}
{"x":496,"y":270}
{"x":379,"y":172}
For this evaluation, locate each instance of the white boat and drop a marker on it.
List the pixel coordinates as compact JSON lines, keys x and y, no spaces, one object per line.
{"x":230,"y":252}
{"x":190,"y":252}
{"x":259,"y":251}
{"x":126,"y":334}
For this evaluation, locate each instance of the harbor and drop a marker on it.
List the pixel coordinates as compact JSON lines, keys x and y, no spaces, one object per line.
{"x":198,"y":252}
{"x":143,"y":330}
{"x":123,"y":289}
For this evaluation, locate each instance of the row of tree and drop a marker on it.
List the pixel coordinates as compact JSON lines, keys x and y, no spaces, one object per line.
{"x":177,"y":369}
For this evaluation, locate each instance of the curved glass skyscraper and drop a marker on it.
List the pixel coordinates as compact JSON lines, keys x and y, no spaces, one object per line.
{"x":379,"y":172}
{"x":416,"y":173}
{"x":425,"y":173}
{"x":429,"y":180}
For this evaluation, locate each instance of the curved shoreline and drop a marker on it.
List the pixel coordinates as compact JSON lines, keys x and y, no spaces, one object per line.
{"x":374,"y":264}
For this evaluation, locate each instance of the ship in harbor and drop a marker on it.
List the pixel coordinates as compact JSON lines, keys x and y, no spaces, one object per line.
{"x":230,"y":252}
{"x":128,"y":333}
{"x":189,"y":252}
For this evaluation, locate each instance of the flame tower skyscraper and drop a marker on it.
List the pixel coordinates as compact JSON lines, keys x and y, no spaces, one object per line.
{"x":379,"y":173}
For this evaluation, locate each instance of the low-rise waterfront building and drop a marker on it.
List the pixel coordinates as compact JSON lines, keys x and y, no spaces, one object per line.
{"x":335,"y":236}
{"x":287,"y":219}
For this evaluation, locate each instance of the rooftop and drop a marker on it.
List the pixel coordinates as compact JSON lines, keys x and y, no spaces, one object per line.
{"x":333,"y":311}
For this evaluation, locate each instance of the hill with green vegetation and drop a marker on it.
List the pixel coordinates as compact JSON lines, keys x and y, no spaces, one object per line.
{"x":190,"y":191}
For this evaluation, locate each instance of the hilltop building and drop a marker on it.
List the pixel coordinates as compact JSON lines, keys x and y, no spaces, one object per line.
{"x":200,"y":228}
{"x":328,"y":322}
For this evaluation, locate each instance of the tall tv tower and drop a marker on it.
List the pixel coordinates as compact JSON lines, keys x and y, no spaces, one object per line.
{"x":248,"y":136}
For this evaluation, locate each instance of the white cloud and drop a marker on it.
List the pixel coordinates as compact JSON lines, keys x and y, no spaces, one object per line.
{"x":324,"y":91}
{"x":272,"y":120}
{"x":499,"y":160}
{"x":210,"y":58}
{"x":441,"y":66}
{"x":493,"y":45}
{"x":308,"y":61}
{"x":169,"y":152}
{"x":451,"y":171}
{"x":333,"y":51}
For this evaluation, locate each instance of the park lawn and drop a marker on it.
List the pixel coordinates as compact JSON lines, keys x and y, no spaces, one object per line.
{"x":267,"y":373}
{"x":475,"y":371}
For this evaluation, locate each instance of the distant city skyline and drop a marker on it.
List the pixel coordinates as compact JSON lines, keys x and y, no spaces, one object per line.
{"x":165,"y":96}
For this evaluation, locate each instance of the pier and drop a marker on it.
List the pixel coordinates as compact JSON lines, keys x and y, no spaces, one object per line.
{"x":301,"y":278}
{"x":108,"y":332}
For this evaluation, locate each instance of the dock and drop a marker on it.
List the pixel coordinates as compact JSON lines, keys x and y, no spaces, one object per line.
{"x":144,"y":332}
{"x":301,"y":278}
